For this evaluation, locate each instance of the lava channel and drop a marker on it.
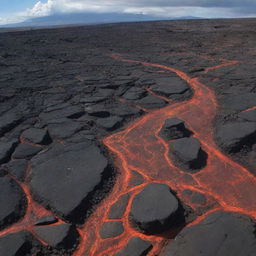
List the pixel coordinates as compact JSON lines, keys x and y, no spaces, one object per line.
{"x":139,"y":148}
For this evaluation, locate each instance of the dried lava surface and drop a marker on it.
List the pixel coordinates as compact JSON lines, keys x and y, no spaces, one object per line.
{"x":140,"y":143}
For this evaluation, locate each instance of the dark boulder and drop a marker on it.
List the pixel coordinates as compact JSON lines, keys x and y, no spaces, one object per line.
{"x":233,"y":136}
{"x":155,"y":209}
{"x":37,"y":136}
{"x":187,"y":152}
{"x":221,"y":233}
{"x":174,"y":128}
{"x":12,"y":201}
{"x":74,"y":175}
{"x":6,"y":150}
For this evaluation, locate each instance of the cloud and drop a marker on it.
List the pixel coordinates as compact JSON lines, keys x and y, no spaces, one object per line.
{"x":166,"y":8}
{"x":162,"y":8}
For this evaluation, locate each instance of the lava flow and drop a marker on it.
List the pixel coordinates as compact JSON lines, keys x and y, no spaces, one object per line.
{"x":227,"y":185}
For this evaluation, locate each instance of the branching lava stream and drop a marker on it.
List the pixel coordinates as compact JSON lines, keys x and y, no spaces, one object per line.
{"x":226,"y":184}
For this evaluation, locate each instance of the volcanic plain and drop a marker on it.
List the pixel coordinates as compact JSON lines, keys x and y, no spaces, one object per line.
{"x":130,"y":139}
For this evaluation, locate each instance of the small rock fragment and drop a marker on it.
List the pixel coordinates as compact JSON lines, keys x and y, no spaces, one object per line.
{"x":110,"y":123}
{"x":37,"y":136}
{"x":174,"y":128}
{"x":111,"y":229}
{"x":26,"y":151}
{"x":117,"y":210}
{"x":135,"y":247}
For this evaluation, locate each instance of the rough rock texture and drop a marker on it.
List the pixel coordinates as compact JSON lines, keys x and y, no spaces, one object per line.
{"x":12,"y":201}
{"x":174,"y":128}
{"x":16,"y":244}
{"x":169,"y":86}
{"x":220,"y":234}
{"x":135,"y":247}
{"x":155,"y":209}
{"x":188,"y":152}
{"x":25,"y":150}
{"x":46,"y":221}
{"x":136,"y":179}
{"x":248,"y":115}
{"x":233,"y":136}
{"x":135,"y":93}
{"x":64,"y":128}
{"x":6,"y":150}
{"x":58,"y":236}
{"x":111,"y":229}
{"x":81,"y":166}
{"x":118,"y":208}
{"x":37,"y":136}
{"x":8,"y":121}
{"x":17,"y":168}
{"x":110,"y":123}
{"x":151,"y":102}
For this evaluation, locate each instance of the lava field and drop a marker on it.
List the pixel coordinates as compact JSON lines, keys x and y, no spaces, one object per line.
{"x":130,"y":139}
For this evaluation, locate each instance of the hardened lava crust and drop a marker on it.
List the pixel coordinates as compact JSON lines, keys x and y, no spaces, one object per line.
{"x":130,"y":139}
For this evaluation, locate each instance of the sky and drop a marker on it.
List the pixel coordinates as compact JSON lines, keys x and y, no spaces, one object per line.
{"x":12,"y":11}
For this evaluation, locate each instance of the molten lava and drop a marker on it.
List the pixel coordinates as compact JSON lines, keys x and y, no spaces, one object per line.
{"x":227,"y":185}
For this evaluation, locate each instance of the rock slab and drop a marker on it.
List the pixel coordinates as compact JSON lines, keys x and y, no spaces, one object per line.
{"x":155,"y":209}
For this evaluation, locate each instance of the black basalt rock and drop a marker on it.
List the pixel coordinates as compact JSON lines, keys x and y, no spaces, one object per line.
{"x":155,"y":209}
{"x":12,"y":200}
{"x":16,"y":244}
{"x":74,"y":176}
{"x":135,"y":247}
{"x":37,"y":136}
{"x":233,"y":136}
{"x":221,"y":233}
{"x":58,"y":236}
{"x":111,"y":229}
{"x":188,"y":154}
{"x":174,"y":128}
